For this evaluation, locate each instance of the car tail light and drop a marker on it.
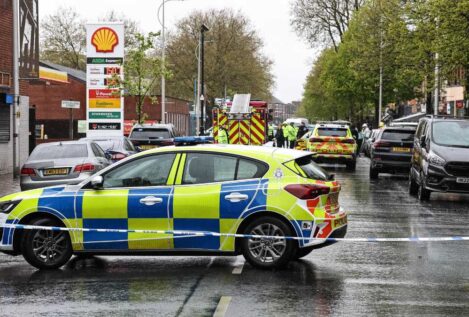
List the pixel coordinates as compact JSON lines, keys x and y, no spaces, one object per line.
{"x":26,"y":171}
{"x":307,"y":191}
{"x":348,"y":141}
{"x":163,"y":143}
{"x":379,"y":144}
{"x":118,"y":156}
{"x":88,"y":167}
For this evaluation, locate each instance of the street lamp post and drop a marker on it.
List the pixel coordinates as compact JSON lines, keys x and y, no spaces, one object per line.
{"x":163,"y":79}
{"x":203,"y":29}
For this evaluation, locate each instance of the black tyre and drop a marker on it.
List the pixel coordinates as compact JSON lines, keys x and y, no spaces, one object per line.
{"x":46,"y":249}
{"x":423,"y":194}
{"x":268,"y":253}
{"x":302,"y":252}
{"x":373,"y":172}
{"x":351,"y":166}
{"x":413,"y":186}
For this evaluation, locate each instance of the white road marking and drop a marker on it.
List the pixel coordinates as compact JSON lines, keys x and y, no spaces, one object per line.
{"x":222,"y":306}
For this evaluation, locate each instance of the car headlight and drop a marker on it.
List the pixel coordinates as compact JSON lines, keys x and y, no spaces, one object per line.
{"x":7,"y":206}
{"x":436,"y":160}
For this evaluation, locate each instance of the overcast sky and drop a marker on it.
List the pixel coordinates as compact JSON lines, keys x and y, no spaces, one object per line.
{"x":271,"y":18}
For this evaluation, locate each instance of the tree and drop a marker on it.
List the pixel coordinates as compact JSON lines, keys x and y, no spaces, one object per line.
{"x":131,"y":28}
{"x":141,"y":72}
{"x":63,"y":39}
{"x":233,"y":58}
{"x":323,"y":22}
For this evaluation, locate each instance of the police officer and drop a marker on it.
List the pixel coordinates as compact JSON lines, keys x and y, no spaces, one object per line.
{"x":291,"y":134}
{"x":222,"y":135}
{"x":279,"y":136}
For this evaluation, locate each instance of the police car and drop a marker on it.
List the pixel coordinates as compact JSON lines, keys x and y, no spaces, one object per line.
{"x":146,"y":204}
{"x":333,"y":143}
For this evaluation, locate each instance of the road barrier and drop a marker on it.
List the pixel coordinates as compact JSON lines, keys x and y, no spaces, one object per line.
{"x":191,"y":234}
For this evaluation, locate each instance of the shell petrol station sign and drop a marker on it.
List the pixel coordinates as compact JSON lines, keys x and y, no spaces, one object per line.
{"x":105,"y":56}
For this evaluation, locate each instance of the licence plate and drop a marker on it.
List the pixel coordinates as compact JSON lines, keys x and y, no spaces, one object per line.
{"x":401,"y":149}
{"x":462,"y":180}
{"x":147,"y":147}
{"x":55,"y":171}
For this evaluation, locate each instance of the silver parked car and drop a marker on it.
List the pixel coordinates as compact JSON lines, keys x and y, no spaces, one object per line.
{"x":60,"y":163}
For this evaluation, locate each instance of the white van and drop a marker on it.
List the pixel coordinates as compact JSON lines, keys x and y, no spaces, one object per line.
{"x":297,"y":121}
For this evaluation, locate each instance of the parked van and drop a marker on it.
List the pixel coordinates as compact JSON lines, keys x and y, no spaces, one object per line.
{"x":297,"y":121}
{"x":440,"y":160}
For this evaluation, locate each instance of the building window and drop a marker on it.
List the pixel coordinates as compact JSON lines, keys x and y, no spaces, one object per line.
{"x":5,"y":117}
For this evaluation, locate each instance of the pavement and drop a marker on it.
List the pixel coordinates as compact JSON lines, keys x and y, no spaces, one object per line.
{"x":8,"y":184}
{"x":344,"y":279}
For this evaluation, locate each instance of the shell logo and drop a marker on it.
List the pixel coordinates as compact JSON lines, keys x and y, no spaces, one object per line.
{"x":104,"y":40}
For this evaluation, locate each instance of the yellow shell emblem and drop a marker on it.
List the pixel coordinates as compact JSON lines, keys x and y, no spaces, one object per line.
{"x":104,"y":40}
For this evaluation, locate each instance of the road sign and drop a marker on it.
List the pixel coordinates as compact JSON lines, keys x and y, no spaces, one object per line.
{"x":70,"y":104}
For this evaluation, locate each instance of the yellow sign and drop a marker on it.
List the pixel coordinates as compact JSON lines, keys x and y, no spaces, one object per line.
{"x":105,"y":103}
{"x":52,"y":75}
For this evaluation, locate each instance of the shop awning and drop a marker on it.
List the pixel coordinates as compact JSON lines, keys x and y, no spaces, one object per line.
{"x":50,"y":74}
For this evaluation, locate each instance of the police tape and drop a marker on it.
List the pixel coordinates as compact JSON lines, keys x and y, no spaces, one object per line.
{"x":194,"y":234}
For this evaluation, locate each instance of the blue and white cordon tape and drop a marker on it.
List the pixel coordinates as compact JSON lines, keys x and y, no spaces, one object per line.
{"x":191,"y":234}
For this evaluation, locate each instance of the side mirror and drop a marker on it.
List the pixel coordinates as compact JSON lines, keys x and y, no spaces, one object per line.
{"x":108,"y":155}
{"x":331,"y":177}
{"x":97,"y":182}
{"x":423,"y":142}
{"x":138,"y":148}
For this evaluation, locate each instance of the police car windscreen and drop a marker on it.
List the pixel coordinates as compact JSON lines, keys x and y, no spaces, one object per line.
{"x":49,"y":152}
{"x":398,"y":135}
{"x":150,"y":134}
{"x":337,"y":132}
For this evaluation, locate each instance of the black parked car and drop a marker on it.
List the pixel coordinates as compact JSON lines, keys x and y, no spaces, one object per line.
{"x":117,"y":148}
{"x":440,"y":160}
{"x":149,"y":136}
{"x":391,"y":150}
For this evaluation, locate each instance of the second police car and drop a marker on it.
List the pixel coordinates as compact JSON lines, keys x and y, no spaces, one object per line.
{"x":218,"y":189}
{"x":333,"y":143}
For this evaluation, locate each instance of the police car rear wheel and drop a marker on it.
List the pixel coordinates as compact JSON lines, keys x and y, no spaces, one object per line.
{"x":46,"y":249}
{"x":268,"y":253}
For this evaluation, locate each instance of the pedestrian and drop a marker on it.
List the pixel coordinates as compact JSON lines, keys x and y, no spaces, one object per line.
{"x":285,"y":134}
{"x":223,"y":135}
{"x":270,"y":132}
{"x":302,"y":130}
{"x":279,"y":137}
{"x":365,"y":131}
{"x":291,"y":132}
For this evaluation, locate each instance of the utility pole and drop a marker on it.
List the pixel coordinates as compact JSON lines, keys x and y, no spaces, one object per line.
{"x":437,"y":86}
{"x":203,"y":29}
{"x":16,"y":85}
{"x":163,"y":81}
{"x":197,"y":106}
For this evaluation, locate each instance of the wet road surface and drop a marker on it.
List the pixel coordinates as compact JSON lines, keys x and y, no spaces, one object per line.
{"x":345,"y":279}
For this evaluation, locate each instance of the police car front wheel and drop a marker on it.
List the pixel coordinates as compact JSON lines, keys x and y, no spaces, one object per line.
{"x":46,"y":249}
{"x":268,"y":252}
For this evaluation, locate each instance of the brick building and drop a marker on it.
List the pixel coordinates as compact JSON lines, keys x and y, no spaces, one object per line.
{"x":53,"y":121}
{"x":14,"y":147}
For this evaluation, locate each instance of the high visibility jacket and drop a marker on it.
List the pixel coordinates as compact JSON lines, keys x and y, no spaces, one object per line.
{"x":291,"y":133}
{"x":222,"y":136}
{"x":271,"y":131}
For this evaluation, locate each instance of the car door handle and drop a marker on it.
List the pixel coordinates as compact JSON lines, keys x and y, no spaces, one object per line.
{"x":151,"y":200}
{"x":236,"y":197}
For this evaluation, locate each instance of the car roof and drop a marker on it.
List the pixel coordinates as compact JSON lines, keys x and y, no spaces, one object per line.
{"x":84,"y":142}
{"x":405,"y":128}
{"x":154,"y":126}
{"x":255,"y":152}
{"x":332,"y":125}
{"x":102,"y":138}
